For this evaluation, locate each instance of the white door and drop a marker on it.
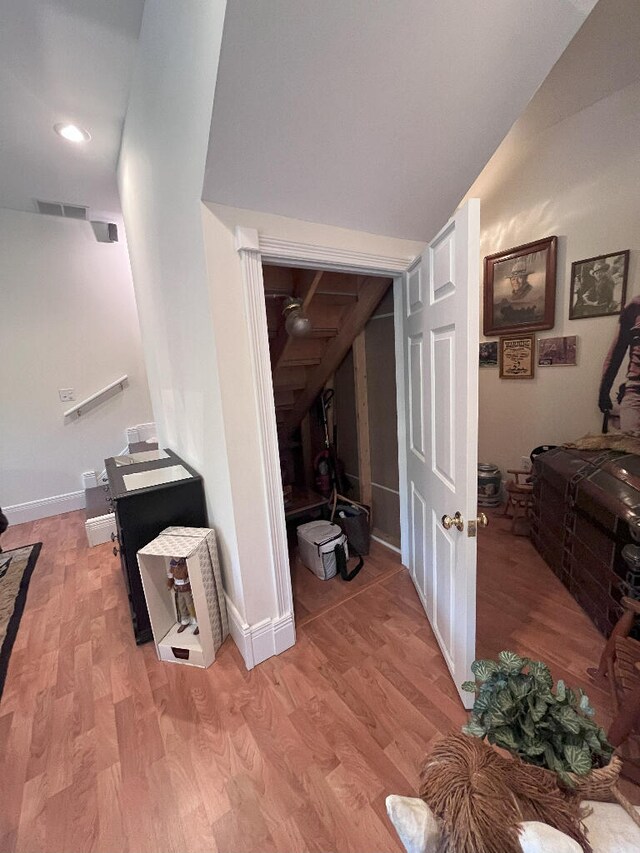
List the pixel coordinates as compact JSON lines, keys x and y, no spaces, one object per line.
{"x":440,"y":349}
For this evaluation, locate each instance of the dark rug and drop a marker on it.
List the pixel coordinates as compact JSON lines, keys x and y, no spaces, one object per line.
{"x":16,"y":568}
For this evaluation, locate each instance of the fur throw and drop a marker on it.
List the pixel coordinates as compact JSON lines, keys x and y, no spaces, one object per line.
{"x":480,"y":797}
{"x":626,"y":442}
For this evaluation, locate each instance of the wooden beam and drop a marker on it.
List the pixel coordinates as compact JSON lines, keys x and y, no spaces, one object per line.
{"x":338,"y":347}
{"x":282,"y":341}
{"x":362,"y":416}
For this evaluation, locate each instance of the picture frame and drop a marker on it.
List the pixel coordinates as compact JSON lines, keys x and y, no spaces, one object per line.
{"x":520,"y":288}
{"x":558,"y":351}
{"x":517,"y":356}
{"x":488,"y":355}
{"x":599,"y":285}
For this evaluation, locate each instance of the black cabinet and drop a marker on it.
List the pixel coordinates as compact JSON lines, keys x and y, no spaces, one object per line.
{"x":147,"y":497}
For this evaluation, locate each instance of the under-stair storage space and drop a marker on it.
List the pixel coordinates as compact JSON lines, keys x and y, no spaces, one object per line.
{"x":332,"y":348}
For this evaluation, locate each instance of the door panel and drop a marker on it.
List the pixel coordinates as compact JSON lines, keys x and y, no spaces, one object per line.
{"x":440,"y":352}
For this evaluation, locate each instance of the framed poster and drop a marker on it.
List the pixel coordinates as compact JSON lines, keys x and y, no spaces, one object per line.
{"x":517,"y":356}
{"x":520,"y":288}
{"x":599,"y":285}
{"x":557,"y":351}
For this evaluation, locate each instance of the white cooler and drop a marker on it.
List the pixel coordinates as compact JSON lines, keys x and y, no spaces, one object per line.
{"x":317,"y":541}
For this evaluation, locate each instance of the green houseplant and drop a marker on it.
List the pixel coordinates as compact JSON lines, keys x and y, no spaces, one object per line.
{"x":518,"y":709}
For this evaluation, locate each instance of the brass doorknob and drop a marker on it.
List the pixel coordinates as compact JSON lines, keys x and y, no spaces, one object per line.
{"x":482,"y":520}
{"x":457,"y":521}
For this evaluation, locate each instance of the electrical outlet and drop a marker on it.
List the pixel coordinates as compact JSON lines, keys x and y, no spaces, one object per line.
{"x":67,"y":395}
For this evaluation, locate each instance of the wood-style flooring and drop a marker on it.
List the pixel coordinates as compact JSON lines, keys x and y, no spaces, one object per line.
{"x":313,"y":597}
{"x":105,"y":748}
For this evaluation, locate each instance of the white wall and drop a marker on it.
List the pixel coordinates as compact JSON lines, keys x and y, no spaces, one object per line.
{"x":69,"y":320}
{"x":160,"y":175}
{"x":578,"y":180}
{"x":231,"y":329}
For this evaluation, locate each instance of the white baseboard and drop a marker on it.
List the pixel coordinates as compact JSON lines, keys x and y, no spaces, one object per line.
{"x":262,"y":640}
{"x":44,"y":507}
{"x":386,"y":544}
{"x":100,"y":528}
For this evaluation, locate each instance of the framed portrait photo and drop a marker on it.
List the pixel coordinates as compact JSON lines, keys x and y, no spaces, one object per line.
{"x":520,"y":288}
{"x":599,"y":285}
{"x":517,"y":356}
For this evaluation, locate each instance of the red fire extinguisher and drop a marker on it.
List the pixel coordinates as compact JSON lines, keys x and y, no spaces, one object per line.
{"x":322,"y":467}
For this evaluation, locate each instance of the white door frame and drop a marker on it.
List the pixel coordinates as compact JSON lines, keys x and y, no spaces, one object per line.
{"x":253,"y":248}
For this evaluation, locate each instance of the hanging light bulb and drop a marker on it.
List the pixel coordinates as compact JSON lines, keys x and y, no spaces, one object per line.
{"x":296,"y":323}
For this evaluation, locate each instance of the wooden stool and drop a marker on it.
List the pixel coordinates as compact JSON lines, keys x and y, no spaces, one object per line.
{"x":519,"y":500}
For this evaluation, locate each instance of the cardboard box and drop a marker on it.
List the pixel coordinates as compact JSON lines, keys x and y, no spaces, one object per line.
{"x":198,"y":546}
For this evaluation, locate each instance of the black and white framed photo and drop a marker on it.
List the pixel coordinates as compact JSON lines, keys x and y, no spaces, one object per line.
{"x":599,"y":285}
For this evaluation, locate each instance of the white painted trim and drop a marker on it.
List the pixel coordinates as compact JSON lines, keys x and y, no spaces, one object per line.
{"x":100,"y":528}
{"x":256,"y":643}
{"x":385,"y":488}
{"x":251,"y":264}
{"x":290,"y":253}
{"x":44,"y":507}
{"x":386,"y":544}
{"x":399,"y":286}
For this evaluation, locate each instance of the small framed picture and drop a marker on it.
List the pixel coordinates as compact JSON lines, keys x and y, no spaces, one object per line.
{"x":599,"y":285}
{"x":488,"y":353}
{"x":557,"y":351}
{"x":520,"y":288}
{"x":517,"y":356}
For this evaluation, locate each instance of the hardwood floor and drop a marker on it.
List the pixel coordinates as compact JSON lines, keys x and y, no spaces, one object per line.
{"x":313,"y":597}
{"x":107,"y":749}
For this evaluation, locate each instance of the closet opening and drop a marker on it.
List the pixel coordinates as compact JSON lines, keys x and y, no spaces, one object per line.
{"x":333,"y":365}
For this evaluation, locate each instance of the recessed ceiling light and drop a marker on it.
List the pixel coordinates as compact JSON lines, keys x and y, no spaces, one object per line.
{"x":71,"y":132}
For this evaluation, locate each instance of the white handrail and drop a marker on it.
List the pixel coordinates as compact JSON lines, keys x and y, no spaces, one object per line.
{"x":77,"y":409}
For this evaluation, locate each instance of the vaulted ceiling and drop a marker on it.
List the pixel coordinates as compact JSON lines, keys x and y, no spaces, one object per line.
{"x":376,"y":117}
{"x":372,"y":116}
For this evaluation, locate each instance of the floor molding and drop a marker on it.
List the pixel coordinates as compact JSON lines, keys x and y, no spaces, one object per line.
{"x":262,"y":640}
{"x":44,"y":507}
{"x":386,"y":544}
{"x":100,"y":528}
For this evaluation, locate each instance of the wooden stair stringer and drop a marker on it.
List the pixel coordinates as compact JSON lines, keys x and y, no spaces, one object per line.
{"x":371,"y":291}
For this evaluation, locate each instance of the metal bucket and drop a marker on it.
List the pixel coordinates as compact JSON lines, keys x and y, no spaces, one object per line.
{"x":489,"y":484}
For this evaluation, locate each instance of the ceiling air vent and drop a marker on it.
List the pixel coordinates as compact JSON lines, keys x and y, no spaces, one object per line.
{"x":58,"y":208}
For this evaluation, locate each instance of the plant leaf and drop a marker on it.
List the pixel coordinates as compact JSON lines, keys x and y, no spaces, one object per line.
{"x":560,"y":690}
{"x":482,"y":669}
{"x":469,"y":686}
{"x":474,"y":728}
{"x":511,"y":661}
{"x":585,"y":707}
{"x":539,"y":709}
{"x":506,"y":738}
{"x":519,"y":687}
{"x":579,"y":759}
{"x":541,"y":673}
